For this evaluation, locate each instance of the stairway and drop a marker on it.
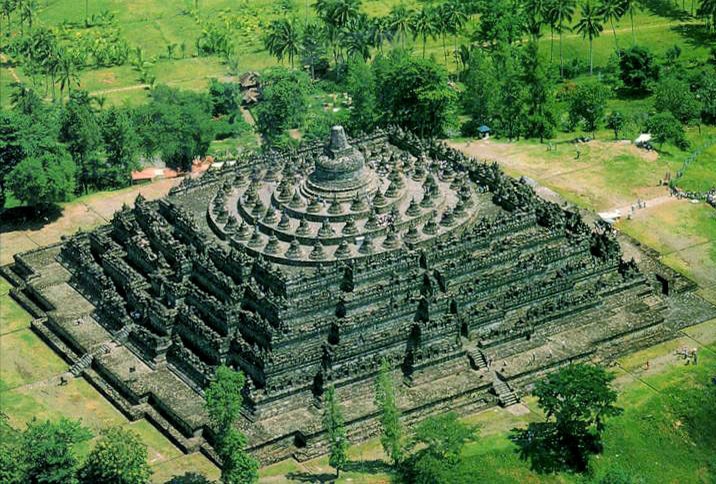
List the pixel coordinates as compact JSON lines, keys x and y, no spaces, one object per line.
{"x":82,"y":364}
{"x":504,"y":392}
{"x":478,"y":360}
{"x":121,"y":335}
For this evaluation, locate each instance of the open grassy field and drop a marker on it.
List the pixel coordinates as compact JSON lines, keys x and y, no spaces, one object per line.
{"x":151,"y":25}
{"x":29,"y":387}
{"x":650,"y":440}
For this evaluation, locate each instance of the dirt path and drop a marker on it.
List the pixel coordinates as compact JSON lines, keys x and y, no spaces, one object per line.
{"x":121,"y":89}
{"x":85,"y":213}
{"x":249,"y":118}
{"x":4,"y":59}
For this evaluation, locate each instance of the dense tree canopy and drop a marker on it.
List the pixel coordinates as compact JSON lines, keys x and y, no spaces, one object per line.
{"x":284,"y":103}
{"x":223,"y":404}
{"x":576,"y":400}
{"x":414,"y":93}
{"x":48,"y":450}
{"x":119,"y":457}
{"x":176,"y":125}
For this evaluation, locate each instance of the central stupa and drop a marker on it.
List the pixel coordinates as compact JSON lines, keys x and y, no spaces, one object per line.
{"x":340,"y":172}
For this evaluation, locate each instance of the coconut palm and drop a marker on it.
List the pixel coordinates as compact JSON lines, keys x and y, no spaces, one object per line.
{"x":68,"y":72}
{"x":400,"y":22}
{"x":456,"y":17}
{"x":707,"y":11}
{"x":551,"y":20}
{"x":562,"y":11}
{"x":612,"y":11}
{"x":423,"y":26}
{"x":381,"y":32}
{"x":7,"y":7}
{"x":535,"y":13}
{"x":590,"y":26}
{"x":356,"y":37}
{"x":631,"y":6}
{"x":28,"y":12}
{"x":283,"y":39}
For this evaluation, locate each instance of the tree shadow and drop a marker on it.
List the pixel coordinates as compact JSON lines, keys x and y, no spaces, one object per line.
{"x":28,"y":218}
{"x":309,"y":477}
{"x":696,"y":35}
{"x":368,"y":466}
{"x":665,"y":8}
{"x":189,"y":478}
{"x":549,"y":451}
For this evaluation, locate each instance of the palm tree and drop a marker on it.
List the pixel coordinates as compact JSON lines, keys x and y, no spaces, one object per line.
{"x":551,"y":19}
{"x":441,"y":26}
{"x":28,"y":12}
{"x":562,"y":11}
{"x":707,"y":11}
{"x":400,"y":16}
{"x":356,"y":37}
{"x":283,"y":39}
{"x":611,"y":11}
{"x":68,"y":72}
{"x":381,"y":32}
{"x":535,"y":12}
{"x":590,"y":27}
{"x":456,"y":17}
{"x":631,"y":7}
{"x":7,"y":7}
{"x":423,"y":26}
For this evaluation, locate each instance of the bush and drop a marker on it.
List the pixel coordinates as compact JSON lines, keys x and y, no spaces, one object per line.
{"x":638,"y":69}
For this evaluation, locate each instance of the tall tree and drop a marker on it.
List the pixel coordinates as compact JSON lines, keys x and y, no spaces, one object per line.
{"x":392,"y":432}
{"x":400,"y":22}
{"x":336,"y":430}
{"x":423,"y":25}
{"x":313,"y":49}
{"x":121,"y":144}
{"x":631,"y":6}
{"x":562,"y":12}
{"x":541,"y":118}
{"x":68,"y":72}
{"x":119,"y":457}
{"x":283,"y":39}
{"x":284,"y":103}
{"x":80,"y":131}
{"x":381,"y":32}
{"x":360,"y":82}
{"x":176,"y":125}
{"x":223,"y":404}
{"x":587,"y":104}
{"x":414,"y":93}
{"x":437,"y":445}
{"x":612,"y":11}
{"x":48,"y":450}
{"x":590,"y":26}
{"x":576,"y":400}
{"x":356,"y":38}
{"x":456,"y":17}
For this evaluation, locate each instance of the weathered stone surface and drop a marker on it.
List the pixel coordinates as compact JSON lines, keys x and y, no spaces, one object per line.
{"x":470,"y":294}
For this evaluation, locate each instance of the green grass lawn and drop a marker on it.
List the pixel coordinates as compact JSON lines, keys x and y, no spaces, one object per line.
{"x":653,"y":440}
{"x":700,"y":175}
{"x":29,"y":388}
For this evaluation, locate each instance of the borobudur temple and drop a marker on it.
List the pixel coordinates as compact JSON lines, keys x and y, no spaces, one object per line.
{"x":307,"y":269}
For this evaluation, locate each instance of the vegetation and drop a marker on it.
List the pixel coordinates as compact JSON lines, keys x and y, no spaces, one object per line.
{"x":223,"y":404}
{"x":336,"y":430}
{"x":576,"y":400}
{"x":119,"y":457}
{"x":392,"y":432}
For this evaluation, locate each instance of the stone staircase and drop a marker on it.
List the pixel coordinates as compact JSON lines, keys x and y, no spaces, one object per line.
{"x":85,"y":360}
{"x":505,"y":394}
{"x":82,"y":364}
{"x":478,"y":360}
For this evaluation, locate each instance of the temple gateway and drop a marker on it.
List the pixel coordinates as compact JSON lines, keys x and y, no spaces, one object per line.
{"x":307,"y":269}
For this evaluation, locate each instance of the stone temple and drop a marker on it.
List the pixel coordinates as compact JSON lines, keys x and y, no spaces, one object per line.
{"x":307,"y":269}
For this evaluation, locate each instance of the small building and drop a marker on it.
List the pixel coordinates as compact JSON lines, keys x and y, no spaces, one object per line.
{"x":484,"y":131}
{"x":643,"y":141}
